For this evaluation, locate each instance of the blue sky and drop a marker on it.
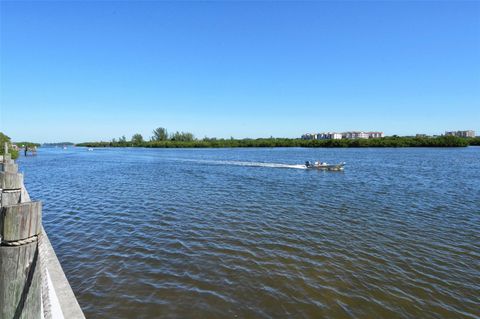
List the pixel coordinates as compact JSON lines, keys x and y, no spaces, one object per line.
{"x":82,"y":71}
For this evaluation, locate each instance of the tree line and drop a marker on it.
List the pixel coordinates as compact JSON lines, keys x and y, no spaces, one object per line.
{"x":158,"y":135}
{"x":161,"y":139}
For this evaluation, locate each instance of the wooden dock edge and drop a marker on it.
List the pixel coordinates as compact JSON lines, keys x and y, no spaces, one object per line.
{"x":62,"y":291}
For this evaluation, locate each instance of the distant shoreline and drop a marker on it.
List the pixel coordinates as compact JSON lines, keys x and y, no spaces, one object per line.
{"x":441,"y":141}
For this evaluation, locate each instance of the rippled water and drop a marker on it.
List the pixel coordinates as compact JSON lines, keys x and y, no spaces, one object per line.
{"x":152,"y":233}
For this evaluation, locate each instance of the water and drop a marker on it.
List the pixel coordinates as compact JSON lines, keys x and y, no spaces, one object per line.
{"x":247,"y":233}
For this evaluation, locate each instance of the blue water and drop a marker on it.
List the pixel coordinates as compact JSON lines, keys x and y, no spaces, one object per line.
{"x":248,"y":233}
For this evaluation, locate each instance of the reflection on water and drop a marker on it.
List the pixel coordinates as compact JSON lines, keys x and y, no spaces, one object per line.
{"x":225,"y":233}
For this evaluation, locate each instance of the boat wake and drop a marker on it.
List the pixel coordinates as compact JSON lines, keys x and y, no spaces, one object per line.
{"x":261,"y":164}
{"x":251,"y":164}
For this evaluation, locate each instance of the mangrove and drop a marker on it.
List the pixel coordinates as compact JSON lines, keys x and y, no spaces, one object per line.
{"x":390,"y":141}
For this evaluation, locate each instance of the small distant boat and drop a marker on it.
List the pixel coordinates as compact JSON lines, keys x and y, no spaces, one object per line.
{"x":325,"y":166}
{"x":90,"y":149}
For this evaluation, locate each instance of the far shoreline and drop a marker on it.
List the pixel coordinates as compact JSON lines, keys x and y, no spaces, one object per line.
{"x":394,"y":142}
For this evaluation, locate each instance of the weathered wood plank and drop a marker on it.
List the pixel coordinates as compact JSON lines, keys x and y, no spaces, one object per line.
{"x":11,"y":180}
{"x":9,"y":167}
{"x":8,"y":198}
{"x":25,"y":197}
{"x":20,"y":221}
{"x":20,"y":275}
{"x":20,"y":282}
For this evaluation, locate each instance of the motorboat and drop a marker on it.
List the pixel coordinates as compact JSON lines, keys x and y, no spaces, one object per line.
{"x":324,"y":166}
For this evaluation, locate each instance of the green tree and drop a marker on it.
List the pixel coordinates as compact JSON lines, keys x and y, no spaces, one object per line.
{"x":160,"y":134}
{"x":182,"y":137}
{"x":137,"y":139}
{"x":5,"y":139}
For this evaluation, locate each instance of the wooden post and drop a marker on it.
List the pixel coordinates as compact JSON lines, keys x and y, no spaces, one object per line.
{"x":20,"y":224}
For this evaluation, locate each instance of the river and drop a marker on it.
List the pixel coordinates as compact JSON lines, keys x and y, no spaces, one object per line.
{"x":248,"y":233}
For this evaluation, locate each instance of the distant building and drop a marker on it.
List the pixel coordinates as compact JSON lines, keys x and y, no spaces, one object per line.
{"x":421,"y":135}
{"x":338,"y":136}
{"x":308,"y":136}
{"x":355,"y":135}
{"x":468,"y":133}
{"x":329,"y":136}
{"x":375,"y":134}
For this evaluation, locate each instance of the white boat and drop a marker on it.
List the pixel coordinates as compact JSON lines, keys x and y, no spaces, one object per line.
{"x":324,"y":166}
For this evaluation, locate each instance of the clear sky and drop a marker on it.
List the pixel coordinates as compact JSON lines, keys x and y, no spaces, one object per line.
{"x":81,"y":71}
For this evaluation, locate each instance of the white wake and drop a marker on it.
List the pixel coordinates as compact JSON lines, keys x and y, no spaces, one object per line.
{"x":251,"y":164}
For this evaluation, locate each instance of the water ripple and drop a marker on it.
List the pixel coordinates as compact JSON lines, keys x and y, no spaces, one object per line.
{"x":241,"y":233}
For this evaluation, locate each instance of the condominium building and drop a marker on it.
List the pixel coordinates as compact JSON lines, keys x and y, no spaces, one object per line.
{"x":329,"y":136}
{"x":375,"y":134}
{"x":355,"y":135}
{"x":468,"y":133}
{"x":338,"y":136}
{"x":321,"y":136}
{"x":308,"y":136}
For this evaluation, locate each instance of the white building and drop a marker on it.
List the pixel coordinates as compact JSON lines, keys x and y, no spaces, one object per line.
{"x":308,"y":136}
{"x":355,"y":135}
{"x":329,"y":136}
{"x":338,"y":136}
{"x":375,"y":134}
{"x":468,"y":133}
